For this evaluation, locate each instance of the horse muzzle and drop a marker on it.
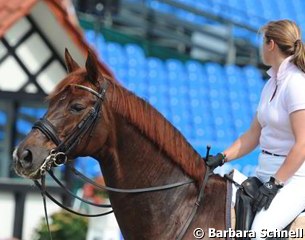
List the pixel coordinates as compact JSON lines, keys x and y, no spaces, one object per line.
{"x":28,"y":160}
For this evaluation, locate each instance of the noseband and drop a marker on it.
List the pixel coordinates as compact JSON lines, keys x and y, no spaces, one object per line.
{"x":58,"y":155}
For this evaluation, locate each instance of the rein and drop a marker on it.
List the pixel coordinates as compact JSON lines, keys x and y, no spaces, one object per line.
{"x":58,"y":157}
{"x":134,"y":190}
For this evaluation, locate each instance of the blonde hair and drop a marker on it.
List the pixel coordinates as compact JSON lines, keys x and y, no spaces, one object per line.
{"x":287,"y":35}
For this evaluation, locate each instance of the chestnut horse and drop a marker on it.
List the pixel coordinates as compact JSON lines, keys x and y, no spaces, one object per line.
{"x":135,"y":146}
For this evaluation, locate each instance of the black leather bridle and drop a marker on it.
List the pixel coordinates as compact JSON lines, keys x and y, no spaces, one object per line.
{"x":58,"y":156}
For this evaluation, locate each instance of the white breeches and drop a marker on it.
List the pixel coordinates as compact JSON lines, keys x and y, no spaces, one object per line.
{"x":286,"y":205}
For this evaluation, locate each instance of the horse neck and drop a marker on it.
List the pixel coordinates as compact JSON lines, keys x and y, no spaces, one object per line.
{"x":132,"y":160}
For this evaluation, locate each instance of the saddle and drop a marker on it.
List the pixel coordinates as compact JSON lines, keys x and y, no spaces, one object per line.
{"x":242,"y":215}
{"x":244,"y":202}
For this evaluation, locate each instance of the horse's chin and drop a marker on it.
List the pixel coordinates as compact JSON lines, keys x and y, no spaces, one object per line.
{"x":33,"y":174}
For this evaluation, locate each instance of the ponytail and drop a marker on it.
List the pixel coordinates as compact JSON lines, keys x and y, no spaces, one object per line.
{"x":286,"y":34}
{"x":299,"y":55}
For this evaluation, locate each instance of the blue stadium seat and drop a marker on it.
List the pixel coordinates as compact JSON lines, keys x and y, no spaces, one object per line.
{"x":194,"y":67}
{"x":158,"y":99}
{"x":3,"y":121}
{"x":3,"y":118}
{"x":205,"y":134}
{"x":115,"y":48}
{"x":252,"y":72}
{"x":180,"y":116}
{"x":286,"y":10}
{"x":174,"y":65}
{"x":88,"y":166}
{"x":90,"y":36}
{"x":23,"y":127}
{"x":253,"y":7}
{"x":298,"y":6}
{"x":35,"y":113}
{"x":156,"y":73}
{"x":103,"y":54}
{"x":215,"y":76}
{"x":121,"y":74}
{"x":134,"y":50}
{"x":115,"y":55}
{"x":155,"y":63}
{"x":270,"y":10}
{"x":140,"y":89}
{"x":208,"y":6}
{"x":161,"y":7}
{"x":95,"y":39}
{"x":235,"y":77}
{"x":254,"y":79}
{"x":237,"y":4}
{"x":196,"y":75}
{"x":190,"y":17}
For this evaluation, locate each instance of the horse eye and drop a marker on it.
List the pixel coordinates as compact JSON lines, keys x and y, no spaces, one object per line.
{"x":77,"y":107}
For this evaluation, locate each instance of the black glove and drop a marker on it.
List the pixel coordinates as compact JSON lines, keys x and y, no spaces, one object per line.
{"x":265,"y":194}
{"x":215,"y":161}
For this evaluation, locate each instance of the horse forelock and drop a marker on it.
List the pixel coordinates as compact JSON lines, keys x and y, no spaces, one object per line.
{"x":159,"y":130}
{"x":77,"y":77}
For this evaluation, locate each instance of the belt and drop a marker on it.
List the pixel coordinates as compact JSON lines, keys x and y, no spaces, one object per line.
{"x":272,"y":154}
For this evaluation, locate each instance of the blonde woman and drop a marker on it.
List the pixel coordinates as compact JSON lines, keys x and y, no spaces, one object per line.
{"x":279,"y":129}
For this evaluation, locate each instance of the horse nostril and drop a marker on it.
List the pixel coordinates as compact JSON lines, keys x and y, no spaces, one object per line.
{"x":26,"y":158}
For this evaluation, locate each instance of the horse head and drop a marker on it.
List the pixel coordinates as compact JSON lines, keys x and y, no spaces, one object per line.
{"x":68,"y":128}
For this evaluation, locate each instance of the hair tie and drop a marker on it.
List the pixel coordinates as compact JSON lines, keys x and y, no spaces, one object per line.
{"x":297,"y":42}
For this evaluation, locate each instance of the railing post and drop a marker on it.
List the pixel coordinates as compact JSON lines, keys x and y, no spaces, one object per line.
{"x":19,"y":214}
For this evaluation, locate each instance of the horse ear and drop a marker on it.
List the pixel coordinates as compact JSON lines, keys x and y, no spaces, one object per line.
{"x":70,"y":63}
{"x":92,"y":67}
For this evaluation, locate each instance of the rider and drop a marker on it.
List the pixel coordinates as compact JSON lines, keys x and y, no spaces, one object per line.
{"x":279,"y":128}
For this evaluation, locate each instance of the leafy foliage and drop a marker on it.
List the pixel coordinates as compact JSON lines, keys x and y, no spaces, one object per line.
{"x":63,"y":225}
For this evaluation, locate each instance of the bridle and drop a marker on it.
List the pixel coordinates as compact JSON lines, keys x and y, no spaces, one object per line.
{"x":58,"y":157}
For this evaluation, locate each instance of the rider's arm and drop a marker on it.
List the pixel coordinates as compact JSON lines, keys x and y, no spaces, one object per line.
{"x":245,"y":143}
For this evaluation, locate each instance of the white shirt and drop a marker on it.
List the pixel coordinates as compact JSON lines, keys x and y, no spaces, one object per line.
{"x":276,"y":135}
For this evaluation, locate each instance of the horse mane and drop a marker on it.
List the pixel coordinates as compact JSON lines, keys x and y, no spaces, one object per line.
{"x":158,"y":129}
{"x":149,"y":121}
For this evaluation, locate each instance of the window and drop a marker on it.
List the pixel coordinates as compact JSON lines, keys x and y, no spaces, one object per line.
{"x":28,"y":64}
{"x":27,"y":60}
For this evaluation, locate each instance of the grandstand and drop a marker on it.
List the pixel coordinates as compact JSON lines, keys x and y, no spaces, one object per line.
{"x":197,"y":62}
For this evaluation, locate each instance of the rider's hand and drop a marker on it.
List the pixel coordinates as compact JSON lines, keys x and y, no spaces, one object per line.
{"x":265,"y":194}
{"x":214,"y":161}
